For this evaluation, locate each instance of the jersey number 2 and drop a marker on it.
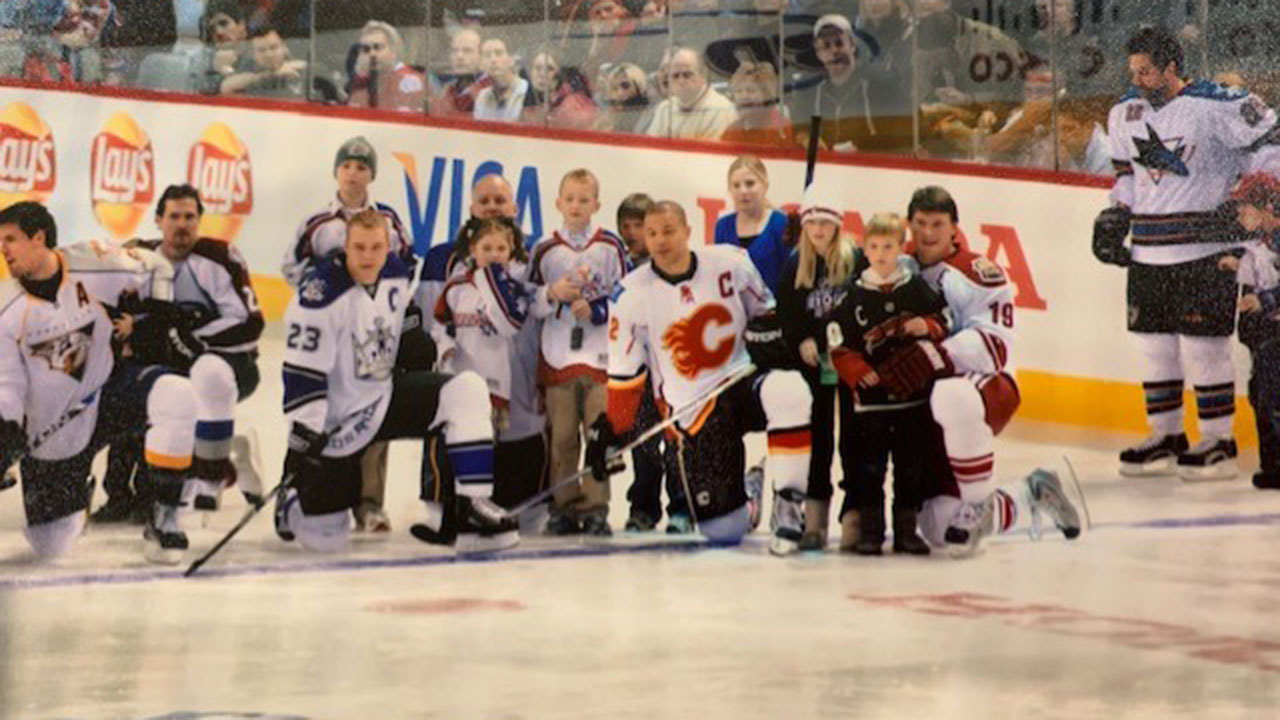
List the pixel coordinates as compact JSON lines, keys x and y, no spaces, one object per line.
{"x":305,"y":338}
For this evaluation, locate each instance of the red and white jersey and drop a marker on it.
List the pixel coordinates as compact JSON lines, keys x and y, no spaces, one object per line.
{"x":598,"y":260}
{"x":325,"y":233}
{"x":1176,"y":163}
{"x":402,"y":89}
{"x":484,"y":310}
{"x":686,"y":331}
{"x":980,"y":299}
{"x":53,"y":356}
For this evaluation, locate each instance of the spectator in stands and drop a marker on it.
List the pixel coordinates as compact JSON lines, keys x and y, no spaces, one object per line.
{"x":380,"y":79}
{"x":464,"y":81}
{"x":887,"y":25}
{"x":572,"y":105}
{"x":503,"y":100}
{"x":274,"y":75}
{"x":695,"y":111}
{"x":225,"y":31}
{"x":628,"y":109}
{"x":840,"y":99}
{"x":754,"y":89}
{"x":542,"y":73}
{"x":961,"y":61}
{"x":138,"y":28}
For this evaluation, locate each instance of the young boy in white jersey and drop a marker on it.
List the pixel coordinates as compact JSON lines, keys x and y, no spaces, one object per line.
{"x":575,"y":270}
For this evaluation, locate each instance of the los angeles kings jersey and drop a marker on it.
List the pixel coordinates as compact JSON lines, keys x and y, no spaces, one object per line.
{"x":341,"y":341}
{"x":687,"y":331}
{"x":1176,"y":163}
{"x":54,"y":356}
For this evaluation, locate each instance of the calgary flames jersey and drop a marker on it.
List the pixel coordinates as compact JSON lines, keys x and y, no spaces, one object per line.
{"x":687,"y":331}
{"x":53,"y":357}
{"x":980,"y":300}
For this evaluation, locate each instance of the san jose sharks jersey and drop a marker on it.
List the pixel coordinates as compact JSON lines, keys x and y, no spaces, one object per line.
{"x":55,"y":355}
{"x":1175,"y":164}
{"x":687,"y":330}
{"x":341,"y":340}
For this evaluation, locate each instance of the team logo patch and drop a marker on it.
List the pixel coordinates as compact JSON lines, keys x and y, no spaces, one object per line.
{"x":67,"y":353}
{"x":1162,"y":156}
{"x":375,"y":356}
{"x":313,"y":290}
{"x":687,"y":342}
{"x":988,"y":272}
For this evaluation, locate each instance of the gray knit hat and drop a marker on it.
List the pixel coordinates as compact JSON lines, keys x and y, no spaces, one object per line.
{"x":357,"y":148}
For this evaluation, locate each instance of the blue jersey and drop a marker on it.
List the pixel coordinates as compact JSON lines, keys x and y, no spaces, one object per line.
{"x":768,"y":250}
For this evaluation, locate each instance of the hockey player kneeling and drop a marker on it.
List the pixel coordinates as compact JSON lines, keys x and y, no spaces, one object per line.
{"x":348,"y":328}
{"x":64,"y":395}
{"x":694,"y":318}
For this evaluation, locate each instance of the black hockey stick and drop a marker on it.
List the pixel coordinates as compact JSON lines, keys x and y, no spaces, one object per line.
{"x":811,"y":153}
{"x":729,"y":381}
{"x":73,"y":412}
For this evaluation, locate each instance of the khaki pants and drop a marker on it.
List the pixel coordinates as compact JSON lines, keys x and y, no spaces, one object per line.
{"x":373,"y":476}
{"x":571,"y":408}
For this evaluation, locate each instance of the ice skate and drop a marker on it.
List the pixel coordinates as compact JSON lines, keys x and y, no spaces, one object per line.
{"x":786,"y":522}
{"x":1209,"y":459}
{"x":754,"y":486}
{"x":871,"y":528}
{"x":639,"y":521}
{"x":482,"y":527}
{"x":285,"y":500}
{"x":1049,"y":500}
{"x":596,"y":523}
{"x":165,"y":541}
{"x":971,"y":526}
{"x":247,"y":463}
{"x":1157,"y":455}
{"x":679,"y":524}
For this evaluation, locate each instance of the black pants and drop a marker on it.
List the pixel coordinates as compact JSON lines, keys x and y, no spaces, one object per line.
{"x":520,"y":469}
{"x":1264,"y":395}
{"x":906,"y":433}
{"x":647,"y":465}
{"x":825,"y":439}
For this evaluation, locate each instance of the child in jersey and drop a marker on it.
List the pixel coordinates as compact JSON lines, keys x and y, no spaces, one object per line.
{"x":887,"y":307}
{"x":574,"y":271}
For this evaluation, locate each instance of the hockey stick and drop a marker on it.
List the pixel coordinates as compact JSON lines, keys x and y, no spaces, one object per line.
{"x":729,"y":381}
{"x":1084,"y":502}
{"x":43,"y":436}
{"x":811,"y":152}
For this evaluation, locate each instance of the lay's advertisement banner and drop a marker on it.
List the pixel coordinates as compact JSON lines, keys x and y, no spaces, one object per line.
{"x":100,"y":163}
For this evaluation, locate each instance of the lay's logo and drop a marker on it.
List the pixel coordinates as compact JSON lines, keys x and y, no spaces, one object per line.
{"x":28,"y":161}
{"x":122,"y":175}
{"x":219,"y":167}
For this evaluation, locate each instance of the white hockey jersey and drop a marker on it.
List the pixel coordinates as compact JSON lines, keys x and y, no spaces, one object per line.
{"x":980,"y":300}
{"x":53,"y":357}
{"x":1176,"y":163}
{"x":570,"y":347}
{"x":214,"y":280}
{"x":687,"y":330}
{"x":324,"y":233}
{"x":341,"y":341}
{"x":110,"y":271}
{"x":484,"y":309}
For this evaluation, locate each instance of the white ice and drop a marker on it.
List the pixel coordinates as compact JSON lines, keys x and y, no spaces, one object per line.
{"x":1166,"y":608}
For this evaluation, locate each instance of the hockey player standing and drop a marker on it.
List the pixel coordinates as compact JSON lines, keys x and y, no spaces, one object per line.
{"x":345,"y":334}
{"x":320,"y":236}
{"x":1177,"y":148}
{"x":64,"y":395}
{"x":693,"y":318}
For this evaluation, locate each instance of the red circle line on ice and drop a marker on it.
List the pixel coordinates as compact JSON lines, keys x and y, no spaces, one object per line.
{"x":445,"y":606}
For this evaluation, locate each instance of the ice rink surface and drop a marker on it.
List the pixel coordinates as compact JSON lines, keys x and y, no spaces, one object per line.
{"x":1166,"y":608}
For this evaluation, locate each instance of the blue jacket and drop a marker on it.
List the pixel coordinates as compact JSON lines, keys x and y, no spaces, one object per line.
{"x":768,"y":251}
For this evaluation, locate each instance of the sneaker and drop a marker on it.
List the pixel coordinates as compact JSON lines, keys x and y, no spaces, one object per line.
{"x":1156,"y":455}
{"x":246,"y":462}
{"x":1049,"y":500}
{"x":817,"y":515}
{"x":284,"y":503}
{"x":165,"y":540}
{"x":562,"y":522}
{"x":596,"y":523}
{"x":906,"y":541}
{"x":371,"y":519}
{"x":639,"y":521}
{"x":787,"y":522}
{"x":973,"y":523}
{"x":850,"y":529}
{"x":753,"y":482}
{"x":1210,"y":459}
{"x":1266,"y":480}
{"x":679,"y":524}
{"x":483,"y":527}
{"x":117,"y":509}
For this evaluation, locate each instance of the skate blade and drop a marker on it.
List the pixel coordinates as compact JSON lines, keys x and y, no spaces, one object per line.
{"x":475,"y":544}
{"x":160,"y":556}
{"x":1155,"y":468}
{"x":1214,"y":473}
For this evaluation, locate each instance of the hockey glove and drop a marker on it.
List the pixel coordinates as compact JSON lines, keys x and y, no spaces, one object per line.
{"x":305,"y":449}
{"x":1109,"y":232}
{"x":602,"y":450}
{"x":158,"y":340}
{"x":912,"y":370}
{"x":13,"y":441}
{"x":417,"y":350}
{"x":850,"y":366}
{"x":765,"y":344}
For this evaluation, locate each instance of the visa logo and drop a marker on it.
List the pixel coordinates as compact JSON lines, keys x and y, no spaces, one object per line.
{"x":424,"y":200}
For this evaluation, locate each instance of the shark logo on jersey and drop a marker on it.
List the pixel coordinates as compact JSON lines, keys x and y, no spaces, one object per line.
{"x":686,"y":340}
{"x":1160,"y":155}
{"x":376,"y":355}
{"x":68,"y":352}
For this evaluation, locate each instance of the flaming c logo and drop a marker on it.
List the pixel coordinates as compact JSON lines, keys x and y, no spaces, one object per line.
{"x":122,"y":175}
{"x":686,"y":340}
{"x":28,"y":162}
{"x":219,"y":168}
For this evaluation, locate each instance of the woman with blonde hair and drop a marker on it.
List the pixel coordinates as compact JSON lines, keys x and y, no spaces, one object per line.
{"x":755,"y":224}
{"x":815,"y":281}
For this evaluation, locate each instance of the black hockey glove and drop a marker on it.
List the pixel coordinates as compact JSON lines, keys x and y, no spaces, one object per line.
{"x":165,"y":338}
{"x":417,"y":349}
{"x":13,"y":441}
{"x":912,"y":370}
{"x":602,"y":450}
{"x":765,"y":344}
{"x":1109,"y":232}
{"x":305,"y":449}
